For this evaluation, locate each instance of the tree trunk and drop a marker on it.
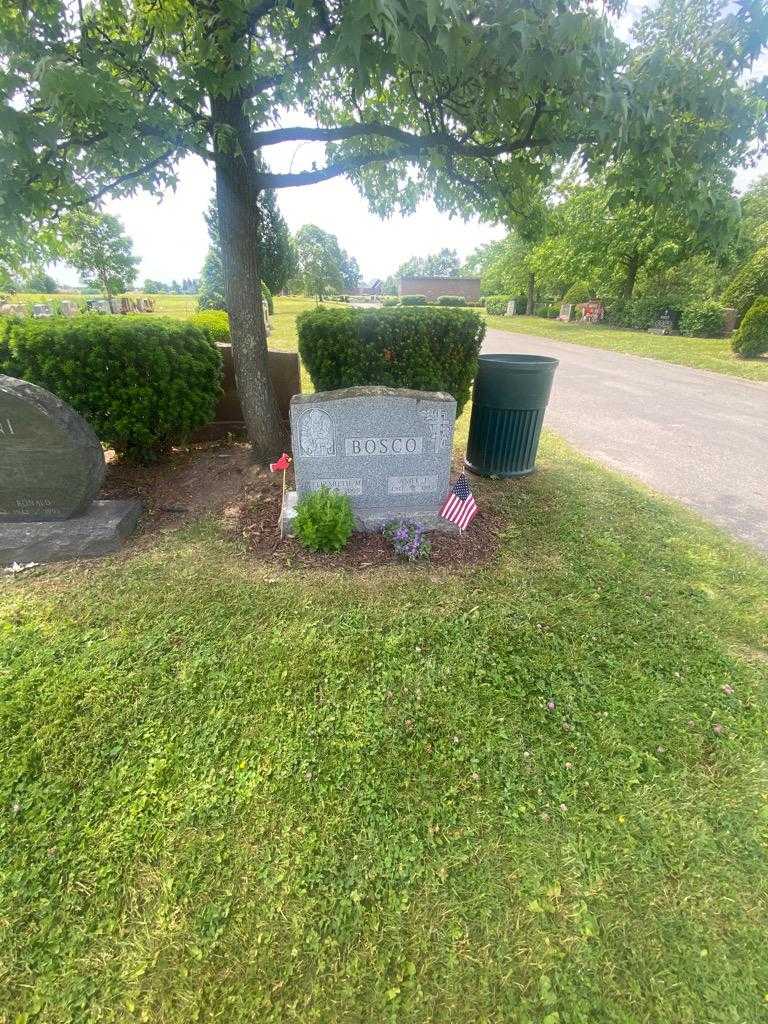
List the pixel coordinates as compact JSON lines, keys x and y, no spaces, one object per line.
{"x":530,"y":306}
{"x":628,"y":286}
{"x":238,"y":229}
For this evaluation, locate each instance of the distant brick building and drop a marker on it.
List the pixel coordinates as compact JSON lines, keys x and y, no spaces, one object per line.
{"x":434,"y":287}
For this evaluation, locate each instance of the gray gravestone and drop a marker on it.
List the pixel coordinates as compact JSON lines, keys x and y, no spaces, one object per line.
{"x":51,"y":467}
{"x":68,"y":308}
{"x":511,"y":308}
{"x":41,"y":310}
{"x":566,"y":312}
{"x":388,"y":449}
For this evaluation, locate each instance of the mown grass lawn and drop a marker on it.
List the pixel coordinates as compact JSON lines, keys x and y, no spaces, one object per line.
{"x":238,"y":793}
{"x":702,"y":353}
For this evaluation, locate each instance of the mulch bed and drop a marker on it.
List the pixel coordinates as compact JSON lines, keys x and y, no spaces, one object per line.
{"x":220,"y":480}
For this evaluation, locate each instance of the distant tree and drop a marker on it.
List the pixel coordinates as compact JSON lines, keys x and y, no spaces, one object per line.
{"x":350,"y":272}
{"x":39,"y":281}
{"x":321,"y":261}
{"x":502,"y":266}
{"x":98,"y":248}
{"x":444,"y":263}
{"x":155,"y":287}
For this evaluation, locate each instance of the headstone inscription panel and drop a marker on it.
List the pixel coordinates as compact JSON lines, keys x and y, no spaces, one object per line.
{"x":388,"y":449}
{"x":51,"y":462}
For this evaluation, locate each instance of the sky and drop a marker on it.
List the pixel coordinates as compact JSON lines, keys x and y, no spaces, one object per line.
{"x":170,"y":235}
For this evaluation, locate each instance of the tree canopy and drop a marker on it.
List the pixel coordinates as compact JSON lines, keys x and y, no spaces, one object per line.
{"x":98,"y":248}
{"x":323,"y":266}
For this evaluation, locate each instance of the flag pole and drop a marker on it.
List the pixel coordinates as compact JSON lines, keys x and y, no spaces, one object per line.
{"x":282,"y":508}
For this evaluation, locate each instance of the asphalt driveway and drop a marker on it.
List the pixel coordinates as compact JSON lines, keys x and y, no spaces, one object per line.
{"x":697,"y":436}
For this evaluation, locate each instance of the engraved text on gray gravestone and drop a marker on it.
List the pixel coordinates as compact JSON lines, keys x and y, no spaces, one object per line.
{"x":388,"y":449}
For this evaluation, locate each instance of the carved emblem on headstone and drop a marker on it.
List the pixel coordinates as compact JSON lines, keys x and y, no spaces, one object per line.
{"x":316,"y":434}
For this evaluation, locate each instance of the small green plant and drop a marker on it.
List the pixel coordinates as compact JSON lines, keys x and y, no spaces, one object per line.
{"x":413,"y":300}
{"x":451,"y":300}
{"x":703,"y":320}
{"x":324,"y":520}
{"x":751,"y":339}
{"x":409,"y":539}
{"x":390,"y":300}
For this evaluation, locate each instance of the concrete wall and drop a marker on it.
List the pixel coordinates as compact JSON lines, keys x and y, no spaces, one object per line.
{"x":434,"y":287}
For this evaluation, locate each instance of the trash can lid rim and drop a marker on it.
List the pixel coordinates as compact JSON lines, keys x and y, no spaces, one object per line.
{"x":518,"y":359}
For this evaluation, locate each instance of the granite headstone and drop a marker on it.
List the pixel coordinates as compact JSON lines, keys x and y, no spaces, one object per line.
{"x":41,"y":310}
{"x":388,"y":449}
{"x":511,"y":308}
{"x":566,"y":312}
{"x":51,"y":467}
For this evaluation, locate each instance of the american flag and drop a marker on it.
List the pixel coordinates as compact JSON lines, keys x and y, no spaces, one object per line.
{"x":460,"y":507}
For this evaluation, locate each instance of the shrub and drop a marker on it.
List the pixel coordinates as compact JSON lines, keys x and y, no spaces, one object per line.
{"x":496,"y":305}
{"x":578,"y":292}
{"x":413,"y":300}
{"x":426,"y":349}
{"x":703,"y":320}
{"x":751,"y":338}
{"x":750,"y":283}
{"x":215,"y":322}
{"x":323,"y":520}
{"x":142,"y":382}
{"x":641,"y":313}
{"x":451,"y":300}
{"x":390,"y":300}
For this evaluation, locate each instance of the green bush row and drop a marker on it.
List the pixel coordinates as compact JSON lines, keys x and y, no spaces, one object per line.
{"x":751,"y":339}
{"x":142,"y":382}
{"x":413,"y":300}
{"x":426,"y":349}
{"x":698,"y":319}
{"x":215,"y":323}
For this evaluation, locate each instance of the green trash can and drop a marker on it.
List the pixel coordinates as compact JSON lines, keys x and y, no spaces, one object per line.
{"x":509,"y":398}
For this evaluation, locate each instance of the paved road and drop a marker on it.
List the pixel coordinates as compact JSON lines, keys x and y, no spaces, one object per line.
{"x":699,"y":437}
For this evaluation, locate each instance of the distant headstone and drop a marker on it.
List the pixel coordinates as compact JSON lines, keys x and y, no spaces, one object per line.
{"x":566,"y":312}
{"x":41,"y":310}
{"x":511,"y":308}
{"x":388,"y":449}
{"x":67,"y":308}
{"x":51,"y":467}
{"x":664,"y":325}
{"x":99,"y":306}
{"x":730,"y":320}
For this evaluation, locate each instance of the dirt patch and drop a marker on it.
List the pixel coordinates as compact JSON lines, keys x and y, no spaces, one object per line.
{"x":220,"y":480}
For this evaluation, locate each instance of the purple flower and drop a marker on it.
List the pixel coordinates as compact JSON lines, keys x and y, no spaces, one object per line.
{"x":550,"y":705}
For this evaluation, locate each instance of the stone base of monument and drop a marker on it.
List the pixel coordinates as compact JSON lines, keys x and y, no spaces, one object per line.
{"x":100,"y":530}
{"x":370,"y":521}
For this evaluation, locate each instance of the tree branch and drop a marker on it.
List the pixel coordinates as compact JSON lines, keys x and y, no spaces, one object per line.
{"x":353,"y":163}
{"x":434,"y":140}
{"x":131,"y":175}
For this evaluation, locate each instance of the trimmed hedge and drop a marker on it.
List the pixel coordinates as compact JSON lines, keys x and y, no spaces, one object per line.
{"x":425,"y":349}
{"x":703,"y":320}
{"x":496,"y":305}
{"x":749,"y":284}
{"x":413,"y":300}
{"x":390,"y":300}
{"x":215,"y":322}
{"x":142,"y":382}
{"x":751,"y":339}
{"x":641,"y":313}
{"x":451,"y":300}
